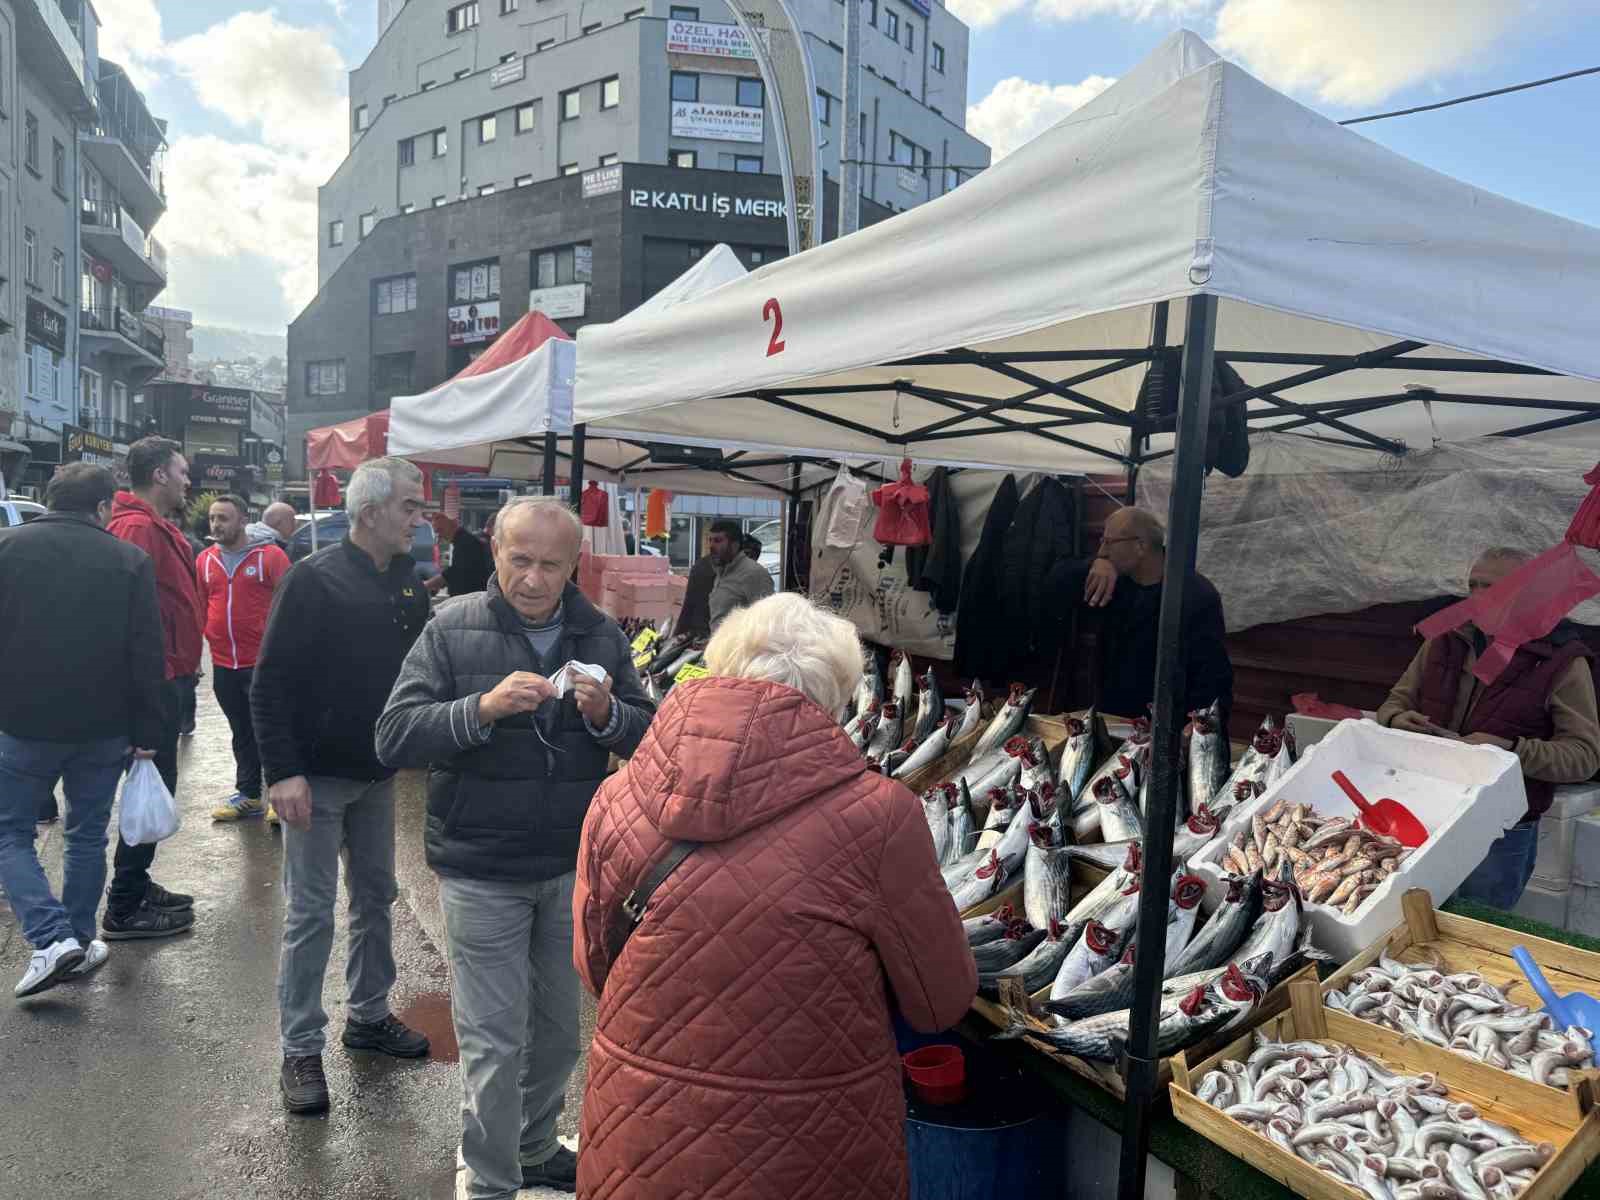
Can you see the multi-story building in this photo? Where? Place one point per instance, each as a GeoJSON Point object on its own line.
{"type": "Point", "coordinates": [177, 333]}
{"type": "Point", "coordinates": [576, 155]}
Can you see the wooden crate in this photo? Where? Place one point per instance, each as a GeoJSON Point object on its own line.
{"type": "Point", "coordinates": [1539, 1113]}
{"type": "Point", "coordinates": [1462, 944]}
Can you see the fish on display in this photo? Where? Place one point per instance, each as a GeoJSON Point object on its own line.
{"type": "Point", "coordinates": [1096, 949]}
{"type": "Point", "coordinates": [963, 829]}
{"type": "Point", "coordinates": [930, 705]}
{"type": "Point", "coordinates": [936, 802]}
{"type": "Point", "coordinates": [1005, 805]}
{"type": "Point", "coordinates": [1006, 852]}
{"type": "Point", "coordinates": [1225, 930]}
{"type": "Point", "coordinates": [886, 736]}
{"type": "Point", "coordinates": [1108, 891]}
{"type": "Point", "coordinates": [1081, 753]}
{"type": "Point", "coordinates": [1181, 803]}
{"type": "Point", "coordinates": [1017, 943]}
{"type": "Point", "coordinates": [1282, 758]}
{"type": "Point", "coordinates": [930, 749]}
{"type": "Point", "coordinates": [1084, 801]}
{"type": "Point", "coordinates": [1046, 877]}
{"type": "Point", "coordinates": [869, 691]}
{"type": "Point", "coordinates": [1119, 815]}
{"type": "Point", "coordinates": [1183, 908]}
{"type": "Point", "coordinates": [1006, 722]}
{"type": "Point", "coordinates": [998, 771]}
{"type": "Point", "coordinates": [1039, 967]}
{"type": "Point", "coordinates": [1253, 763]}
{"type": "Point", "coordinates": [1335, 861]}
{"type": "Point", "coordinates": [1208, 753]}
{"type": "Point", "coordinates": [971, 712]}
{"type": "Point", "coordinates": [1036, 770]}
{"type": "Point", "coordinates": [1278, 927]}
{"type": "Point", "coordinates": [1110, 990]}
{"type": "Point", "coordinates": [990, 925]}
{"type": "Point", "coordinates": [860, 728]}
{"type": "Point", "coordinates": [652, 690]}
{"type": "Point", "coordinates": [979, 883]}
{"type": "Point", "coordinates": [904, 683]}
{"type": "Point", "coordinates": [1119, 918]}
{"type": "Point", "coordinates": [668, 653]}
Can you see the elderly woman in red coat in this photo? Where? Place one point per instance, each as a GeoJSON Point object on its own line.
{"type": "Point", "coordinates": [744, 1045]}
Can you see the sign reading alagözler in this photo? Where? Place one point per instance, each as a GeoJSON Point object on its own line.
{"type": "Point", "coordinates": [711, 203]}
{"type": "Point", "coordinates": [717, 122]}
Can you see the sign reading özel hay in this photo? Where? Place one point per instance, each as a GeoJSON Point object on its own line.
{"type": "Point", "coordinates": [713, 40]}
{"type": "Point", "coordinates": [717, 122]}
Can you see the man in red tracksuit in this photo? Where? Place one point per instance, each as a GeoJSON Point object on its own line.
{"type": "Point", "coordinates": [137, 906]}
{"type": "Point", "coordinates": [235, 578]}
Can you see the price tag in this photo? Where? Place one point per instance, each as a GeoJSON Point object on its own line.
{"type": "Point", "coordinates": [647, 637]}
{"type": "Point", "coordinates": [692, 671]}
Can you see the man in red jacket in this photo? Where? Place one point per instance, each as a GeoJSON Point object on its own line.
{"type": "Point", "coordinates": [235, 578]}
{"type": "Point", "coordinates": [137, 906]}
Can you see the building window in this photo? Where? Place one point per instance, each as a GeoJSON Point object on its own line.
{"type": "Point", "coordinates": [906, 153]}
{"type": "Point", "coordinates": [569, 168]}
{"type": "Point", "coordinates": [911, 35]}
{"type": "Point", "coordinates": [508, 56]}
{"type": "Point", "coordinates": [119, 401]}
{"type": "Point", "coordinates": [407, 209]}
{"type": "Point", "coordinates": [750, 93]}
{"type": "Point", "coordinates": [30, 149]}
{"type": "Point", "coordinates": [609, 160]}
{"type": "Point", "coordinates": [524, 118]}
{"type": "Point", "coordinates": [486, 189]}
{"type": "Point", "coordinates": [757, 257]}
{"type": "Point", "coordinates": [508, 6]}
{"type": "Point", "coordinates": [571, 104]}
{"type": "Point", "coordinates": [523, 181]}
{"type": "Point", "coordinates": [872, 12]}
{"type": "Point", "coordinates": [610, 92]}
{"type": "Point", "coordinates": [462, 73]}
{"type": "Point", "coordinates": [938, 58]}
{"type": "Point", "coordinates": [367, 221]}
{"type": "Point", "coordinates": [325, 378]}
{"type": "Point", "coordinates": [89, 394]}
{"type": "Point", "coordinates": [486, 128]}
{"type": "Point", "coordinates": [397, 294]}
{"type": "Point", "coordinates": [681, 13]}
{"type": "Point", "coordinates": [462, 17]}
{"type": "Point", "coordinates": [891, 24]}
{"type": "Point", "coordinates": [441, 143]}
{"type": "Point", "coordinates": [595, 28]}
{"type": "Point", "coordinates": [440, 201]}
{"type": "Point", "coordinates": [558, 266]}
{"type": "Point", "coordinates": [475, 281]}
{"type": "Point", "coordinates": [44, 372]}
{"type": "Point", "coordinates": [747, 164]}
{"type": "Point", "coordinates": [391, 374]}
{"type": "Point", "coordinates": [362, 119]}
{"type": "Point", "coordinates": [58, 166]}
{"type": "Point", "coordinates": [30, 257]}
{"type": "Point", "coordinates": [685, 86]}
{"type": "Point", "coordinates": [824, 107]}
{"type": "Point", "coordinates": [58, 275]}
{"type": "Point", "coordinates": [952, 179]}
{"type": "Point", "coordinates": [335, 233]}
{"type": "Point", "coordinates": [545, 44]}
{"type": "Point", "coordinates": [408, 152]}
{"type": "Point", "coordinates": [684, 158]}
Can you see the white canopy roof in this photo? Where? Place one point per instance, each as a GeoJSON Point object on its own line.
{"type": "Point", "coordinates": [1030, 295]}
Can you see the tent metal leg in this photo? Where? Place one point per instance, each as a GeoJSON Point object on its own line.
{"type": "Point", "coordinates": [576, 486]}
{"type": "Point", "coordinates": [549, 464]}
{"type": "Point", "coordinates": [1183, 528]}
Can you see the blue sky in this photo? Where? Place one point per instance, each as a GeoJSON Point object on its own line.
{"type": "Point", "coordinates": [253, 93]}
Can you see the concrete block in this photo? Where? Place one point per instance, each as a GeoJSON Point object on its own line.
{"type": "Point", "coordinates": [1573, 800]}
{"type": "Point", "coordinates": [1553, 869]}
{"type": "Point", "coordinates": [1583, 909]}
{"type": "Point", "coordinates": [1540, 903]}
{"type": "Point", "coordinates": [1586, 850]}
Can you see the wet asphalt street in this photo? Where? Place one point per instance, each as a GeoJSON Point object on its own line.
{"type": "Point", "coordinates": [156, 1078]}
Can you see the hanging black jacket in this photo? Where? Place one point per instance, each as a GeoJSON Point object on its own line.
{"type": "Point", "coordinates": [1041, 535]}
{"type": "Point", "coordinates": [982, 639]}
{"type": "Point", "coordinates": [936, 568]}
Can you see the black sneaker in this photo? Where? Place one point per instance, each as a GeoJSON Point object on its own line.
{"type": "Point", "coordinates": [145, 922]}
{"type": "Point", "coordinates": [159, 898]}
{"type": "Point", "coordinates": [304, 1086]}
{"type": "Point", "coordinates": [559, 1171]}
{"type": "Point", "coordinates": [388, 1036]}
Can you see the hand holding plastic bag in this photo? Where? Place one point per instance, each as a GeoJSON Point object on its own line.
{"type": "Point", "coordinates": [149, 814]}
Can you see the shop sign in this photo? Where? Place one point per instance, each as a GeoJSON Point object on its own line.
{"type": "Point", "coordinates": [712, 40]}
{"type": "Point", "coordinates": [717, 122]}
{"type": "Point", "coordinates": [219, 406]}
{"type": "Point", "coordinates": [602, 181]}
{"type": "Point", "coordinates": [83, 445]}
{"type": "Point", "coordinates": [266, 420]}
{"type": "Point", "coordinates": [275, 472]}
{"type": "Point", "coordinates": [583, 263]}
{"type": "Point", "coordinates": [909, 180]}
{"type": "Point", "coordinates": [559, 302]}
{"type": "Point", "coordinates": [218, 476]}
{"type": "Point", "coordinates": [508, 72]}
{"type": "Point", "coordinates": [470, 324]}
{"type": "Point", "coordinates": [46, 326]}
{"type": "Point", "coordinates": [710, 203]}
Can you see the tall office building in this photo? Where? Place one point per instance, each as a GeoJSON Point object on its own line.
{"type": "Point", "coordinates": [575, 157]}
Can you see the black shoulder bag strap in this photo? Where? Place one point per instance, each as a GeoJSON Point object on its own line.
{"type": "Point", "coordinates": [633, 905]}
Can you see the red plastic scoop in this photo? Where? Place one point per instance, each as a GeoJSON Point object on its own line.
{"type": "Point", "coordinates": [1387, 817]}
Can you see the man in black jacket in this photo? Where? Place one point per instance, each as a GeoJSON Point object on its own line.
{"type": "Point", "coordinates": [342, 622]}
{"type": "Point", "coordinates": [514, 762]}
{"type": "Point", "coordinates": [1124, 579]}
{"type": "Point", "coordinates": [80, 634]}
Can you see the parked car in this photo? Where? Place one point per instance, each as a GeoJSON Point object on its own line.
{"type": "Point", "coordinates": [770, 535]}
{"type": "Point", "coordinates": [333, 526]}
{"type": "Point", "coordinates": [19, 512]}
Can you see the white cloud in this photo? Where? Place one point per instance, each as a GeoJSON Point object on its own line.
{"type": "Point", "coordinates": [130, 36]}
{"type": "Point", "coordinates": [1359, 52]}
{"type": "Point", "coordinates": [1018, 110]}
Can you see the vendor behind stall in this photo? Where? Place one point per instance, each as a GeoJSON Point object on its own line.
{"type": "Point", "coordinates": [1124, 579]}
{"type": "Point", "coordinates": [1541, 707]}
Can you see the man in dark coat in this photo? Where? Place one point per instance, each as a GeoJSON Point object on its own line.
{"type": "Point", "coordinates": [470, 563]}
{"type": "Point", "coordinates": [513, 764]}
{"type": "Point", "coordinates": [981, 633]}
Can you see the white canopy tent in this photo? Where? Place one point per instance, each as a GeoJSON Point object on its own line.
{"type": "Point", "coordinates": [1010, 322]}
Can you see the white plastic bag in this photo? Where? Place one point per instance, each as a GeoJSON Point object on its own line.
{"type": "Point", "coordinates": [849, 508]}
{"type": "Point", "coordinates": [149, 813]}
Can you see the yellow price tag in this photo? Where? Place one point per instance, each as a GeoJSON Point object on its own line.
{"type": "Point", "coordinates": [647, 637]}
{"type": "Point", "coordinates": [692, 671]}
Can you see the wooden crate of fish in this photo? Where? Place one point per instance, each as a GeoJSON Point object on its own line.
{"type": "Point", "coordinates": [1335, 1108]}
{"type": "Point", "coordinates": [1445, 979]}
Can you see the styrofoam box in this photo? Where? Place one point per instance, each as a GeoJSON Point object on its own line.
{"type": "Point", "coordinates": [1465, 795]}
{"type": "Point", "coordinates": [1307, 730]}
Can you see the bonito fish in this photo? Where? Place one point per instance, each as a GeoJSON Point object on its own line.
{"type": "Point", "coordinates": [936, 804]}
{"type": "Point", "coordinates": [1006, 722]}
{"type": "Point", "coordinates": [1208, 754]}
{"type": "Point", "coordinates": [930, 706]}
{"type": "Point", "coordinates": [1080, 755]}
{"type": "Point", "coordinates": [860, 728]}
{"type": "Point", "coordinates": [1036, 770]}
{"type": "Point", "coordinates": [997, 771]}
{"type": "Point", "coordinates": [963, 828]}
{"type": "Point", "coordinates": [971, 712]}
{"type": "Point", "coordinates": [1040, 966]}
{"type": "Point", "coordinates": [1096, 949]}
{"type": "Point", "coordinates": [995, 956]}
{"type": "Point", "coordinates": [904, 688]}
{"type": "Point", "coordinates": [869, 691]}
{"type": "Point", "coordinates": [1225, 930]}
{"type": "Point", "coordinates": [990, 925]}
{"type": "Point", "coordinates": [1046, 877]}
{"type": "Point", "coordinates": [930, 749]}
{"type": "Point", "coordinates": [1278, 927]}
{"type": "Point", "coordinates": [886, 737]}
{"type": "Point", "coordinates": [1119, 815]}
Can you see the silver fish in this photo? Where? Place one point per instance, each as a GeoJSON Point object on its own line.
{"type": "Point", "coordinates": [936, 804]}
{"type": "Point", "coordinates": [995, 956]}
{"type": "Point", "coordinates": [1000, 771]}
{"type": "Point", "coordinates": [1279, 925]}
{"type": "Point", "coordinates": [1083, 800]}
{"type": "Point", "coordinates": [1108, 890]}
{"type": "Point", "coordinates": [1208, 753]}
{"type": "Point", "coordinates": [971, 712]}
{"type": "Point", "coordinates": [1036, 769]}
{"type": "Point", "coordinates": [1046, 878]}
{"type": "Point", "coordinates": [904, 689]}
{"type": "Point", "coordinates": [1224, 931]}
{"type": "Point", "coordinates": [930, 705]}
{"type": "Point", "coordinates": [930, 749]}
{"type": "Point", "coordinates": [1182, 910]}
{"type": "Point", "coordinates": [1108, 991]}
{"type": "Point", "coordinates": [1253, 763]}
{"type": "Point", "coordinates": [963, 829]}
{"type": "Point", "coordinates": [990, 925]}
{"type": "Point", "coordinates": [979, 884]}
{"type": "Point", "coordinates": [1041, 964]}
{"type": "Point", "coordinates": [1006, 722]}
{"type": "Point", "coordinates": [860, 728]}
{"type": "Point", "coordinates": [886, 736]}
{"type": "Point", "coordinates": [1119, 816]}
{"type": "Point", "coordinates": [1096, 949]}
{"type": "Point", "coordinates": [869, 690]}
{"type": "Point", "coordinates": [1080, 754]}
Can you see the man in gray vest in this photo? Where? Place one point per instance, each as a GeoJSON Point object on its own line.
{"type": "Point", "coordinates": [516, 741]}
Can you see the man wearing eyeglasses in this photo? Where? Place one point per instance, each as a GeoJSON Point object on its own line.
{"type": "Point", "coordinates": [1124, 580]}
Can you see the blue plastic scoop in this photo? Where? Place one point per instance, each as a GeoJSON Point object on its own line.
{"type": "Point", "coordinates": [1575, 1008]}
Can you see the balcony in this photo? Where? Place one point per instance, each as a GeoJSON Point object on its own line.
{"type": "Point", "coordinates": [121, 334]}
{"type": "Point", "coordinates": [109, 427]}
{"type": "Point", "coordinates": [47, 42]}
{"type": "Point", "coordinates": [110, 233]}
{"type": "Point", "coordinates": [143, 192]}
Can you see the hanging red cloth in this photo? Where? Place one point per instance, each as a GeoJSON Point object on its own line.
{"type": "Point", "coordinates": [325, 490]}
{"type": "Point", "coordinates": [1585, 527]}
{"type": "Point", "coordinates": [902, 511]}
{"type": "Point", "coordinates": [595, 506]}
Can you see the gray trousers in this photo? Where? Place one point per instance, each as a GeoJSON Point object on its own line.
{"type": "Point", "coordinates": [514, 997]}
{"type": "Point", "coordinates": [351, 819]}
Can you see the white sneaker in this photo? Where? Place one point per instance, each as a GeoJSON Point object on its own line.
{"type": "Point", "coordinates": [48, 966]}
{"type": "Point", "coordinates": [93, 959]}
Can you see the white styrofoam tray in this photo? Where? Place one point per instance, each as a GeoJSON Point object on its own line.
{"type": "Point", "coordinates": [1465, 795]}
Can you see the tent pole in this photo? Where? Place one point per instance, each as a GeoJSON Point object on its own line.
{"type": "Point", "coordinates": [575, 487]}
{"type": "Point", "coordinates": [791, 514]}
{"type": "Point", "coordinates": [550, 464]}
{"type": "Point", "coordinates": [1183, 529]}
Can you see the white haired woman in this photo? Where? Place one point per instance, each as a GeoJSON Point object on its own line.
{"type": "Point", "coordinates": [744, 1045]}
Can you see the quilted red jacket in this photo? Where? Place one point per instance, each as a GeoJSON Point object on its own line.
{"type": "Point", "coordinates": [743, 1046]}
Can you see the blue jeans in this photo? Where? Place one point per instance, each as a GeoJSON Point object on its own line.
{"type": "Point", "coordinates": [28, 774]}
{"type": "Point", "coordinates": [1500, 878]}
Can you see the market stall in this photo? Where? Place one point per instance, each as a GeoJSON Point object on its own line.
{"type": "Point", "coordinates": [1187, 257]}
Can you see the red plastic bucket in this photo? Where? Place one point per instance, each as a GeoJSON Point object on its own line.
{"type": "Point", "coordinates": [938, 1074]}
